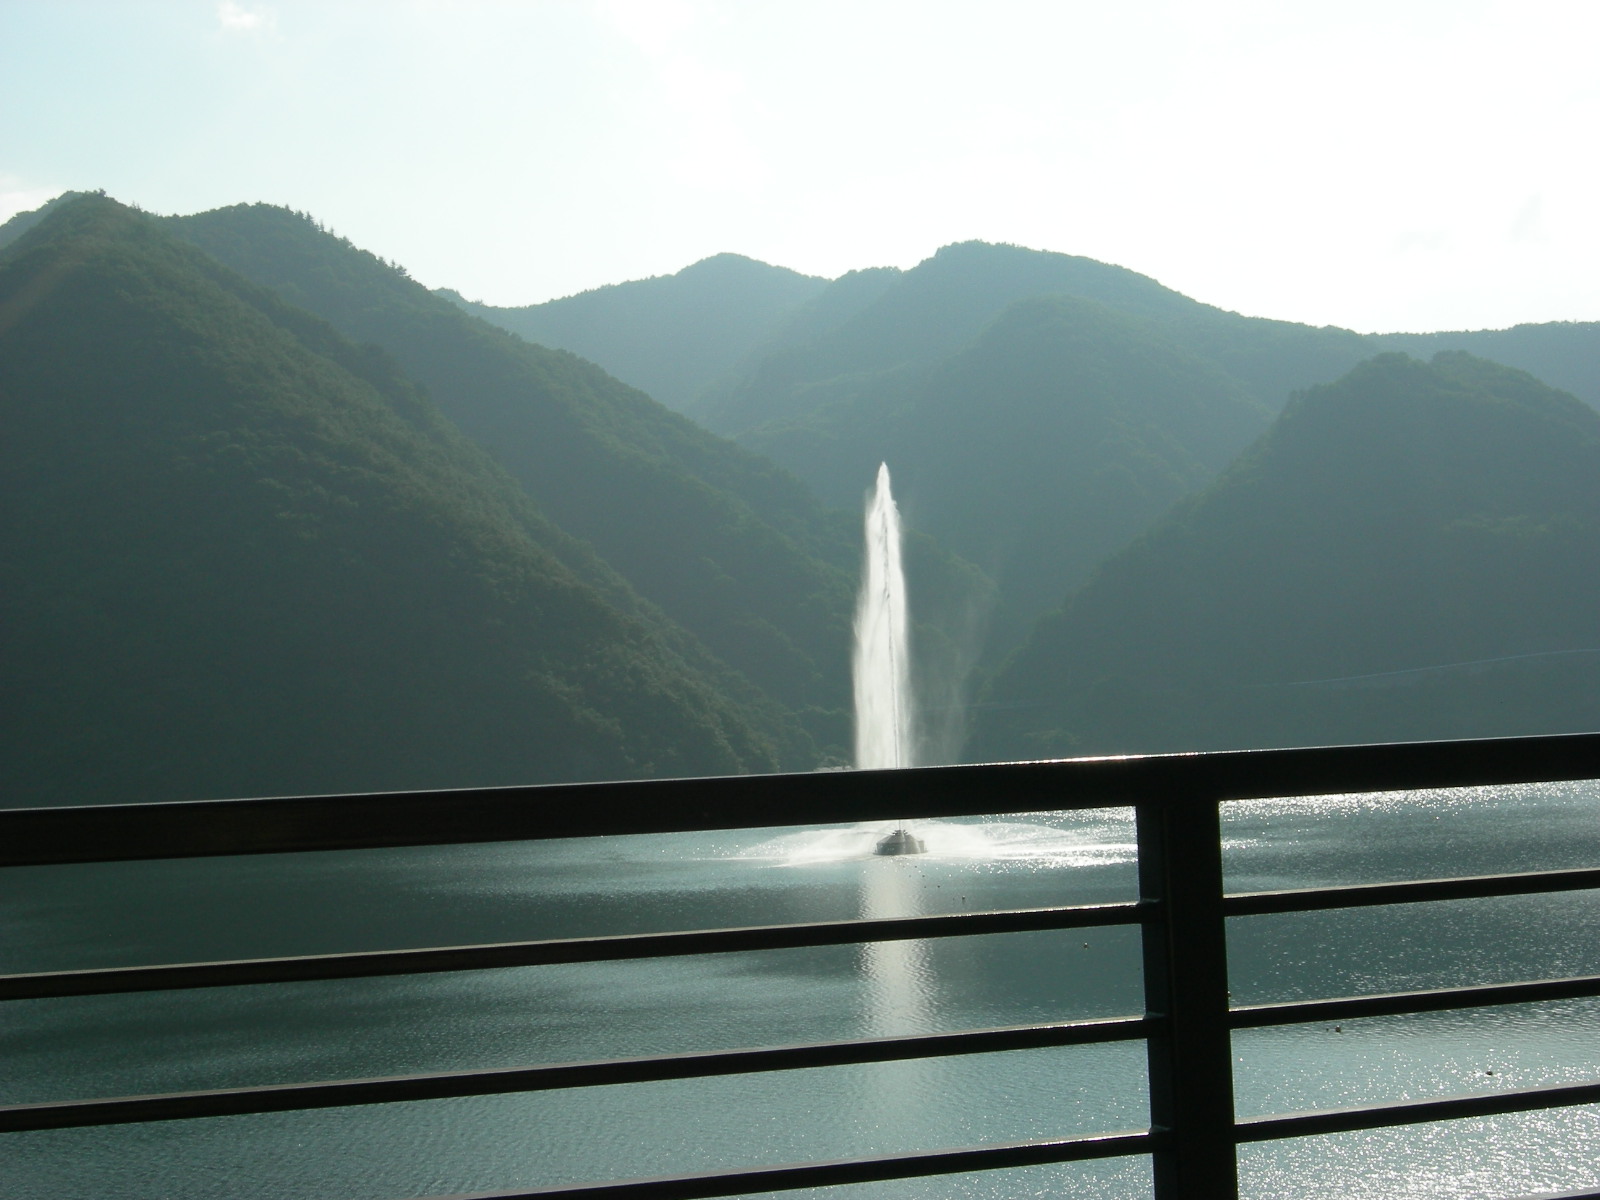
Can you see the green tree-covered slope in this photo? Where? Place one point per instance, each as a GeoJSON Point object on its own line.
{"type": "Point", "coordinates": [24, 221]}
{"type": "Point", "coordinates": [672, 336]}
{"type": "Point", "coordinates": [242, 556]}
{"type": "Point", "coordinates": [1410, 552]}
{"type": "Point", "coordinates": [731, 547]}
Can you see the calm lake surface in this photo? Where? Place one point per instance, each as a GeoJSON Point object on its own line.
{"type": "Point", "coordinates": [100, 915]}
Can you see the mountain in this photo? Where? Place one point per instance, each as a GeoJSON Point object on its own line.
{"type": "Point", "coordinates": [672, 336]}
{"type": "Point", "coordinates": [1057, 435]}
{"type": "Point", "coordinates": [1410, 552]}
{"type": "Point", "coordinates": [244, 556]}
{"type": "Point", "coordinates": [729, 546]}
{"type": "Point", "coordinates": [879, 320]}
{"type": "Point", "coordinates": [863, 370]}
{"type": "Point", "coordinates": [839, 302]}
{"type": "Point", "coordinates": [1042, 409]}
{"type": "Point", "coordinates": [739, 344]}
{"type": "Point", "coordinates": [1016, 450]}
{"type": "Point", "coordinates": [921, 316]}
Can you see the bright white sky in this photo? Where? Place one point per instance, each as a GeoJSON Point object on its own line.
{"type": "Point", "coordinates": [1378, 164]}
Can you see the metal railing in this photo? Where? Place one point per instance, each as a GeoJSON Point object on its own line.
{"type": "Point", "coordinates": [1182, 910]}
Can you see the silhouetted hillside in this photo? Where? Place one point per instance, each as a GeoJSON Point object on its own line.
{"type": "Point", "coordinates": [244, 556]}
{"type": "Point", "coordinates": [1411, 552]}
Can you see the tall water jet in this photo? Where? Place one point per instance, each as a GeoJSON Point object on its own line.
{"type": "Point", "coordinates": [882, 665]}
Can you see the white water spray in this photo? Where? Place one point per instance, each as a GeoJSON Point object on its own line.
{"type": "Point", "coordinates": [882, 665]}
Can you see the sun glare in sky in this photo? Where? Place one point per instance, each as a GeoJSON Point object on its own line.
{"type": "Point", "coordinates": [1398, 165]}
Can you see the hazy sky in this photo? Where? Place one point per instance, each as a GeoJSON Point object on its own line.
{"type": "Point", "coordinates": [1386, 165]}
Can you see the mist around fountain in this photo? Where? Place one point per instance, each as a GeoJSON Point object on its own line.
{"type": "Point", "coordinates": [1043, 841]}
{"type": "Point", "coordinates": [882, 662]}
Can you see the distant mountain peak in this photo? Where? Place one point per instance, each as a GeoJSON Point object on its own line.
{"type": "Point", "coordinates": [19, 224]}
{"type": "Point", "coordinates": [729, 261]}
{"type": "Point", "coordinates": [671, 336]}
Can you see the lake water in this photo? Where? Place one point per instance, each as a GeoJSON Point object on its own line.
{"type": "Point", "coordinates": [99, 915]}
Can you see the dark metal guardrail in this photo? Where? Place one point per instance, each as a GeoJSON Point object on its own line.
{"type": "Point", "coordinates": [1182, 911]}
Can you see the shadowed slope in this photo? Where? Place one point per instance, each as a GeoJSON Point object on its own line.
{"type": "Point", "coordinates": [1411, 552]}
{"type": "Point", "coordinates": [730, 547]}
{"type": "Point", "coordinates": [243, 556]}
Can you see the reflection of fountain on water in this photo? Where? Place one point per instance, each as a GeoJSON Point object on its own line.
{"type": "Point", "coordinates": [898, 983]}
{"type": "Point", "coordinates": [898, 997]}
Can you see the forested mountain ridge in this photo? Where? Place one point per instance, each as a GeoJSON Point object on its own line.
{"type": "Point", "coordinates": [19, 224]}
{"type": "Point", "coordinates": [1563, 354]}
{"type": "Point", "coordinates": [882, 319]}
{"type": "Point", "coordinates": [672, 335]}
{"type": "Point", "coordinates": [1410, 552]}
{"type": "Point", "coordinates": [245, 556]}
{"type": "Point", "coordinates": [729, 546]}
{"type": "Point", "coordinates": [919, 317]}
{"type": "Point", "coordinates": [922, 315]}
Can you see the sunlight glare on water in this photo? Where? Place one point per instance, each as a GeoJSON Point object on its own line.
{"type": "Point", "coordinates": [58, 918]}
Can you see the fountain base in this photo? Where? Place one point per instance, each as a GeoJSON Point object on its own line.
{"type": "Point", "coordinates": [901, 841]}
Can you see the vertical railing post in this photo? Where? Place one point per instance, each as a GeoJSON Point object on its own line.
{"type": "Point", "coordinates": [1186, 994]}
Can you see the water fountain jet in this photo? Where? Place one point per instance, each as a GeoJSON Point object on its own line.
{"type": "Point", "coordinates": [881, 666]}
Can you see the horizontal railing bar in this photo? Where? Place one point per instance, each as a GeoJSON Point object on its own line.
{"type": "Point", "coordinates": [1393, 1004]}
{"type": "Point", "coordinates": [1467, 887]}
{"type": "Point", "coordinates": [362, 964]}
{"type": "Point", "coordinates": [343, 1093]}
{"type": "Point", "coordinates": [181, 829]}
{"type": "Point", "coordinates": [877, 1169]}
{"type": "Point", "coordinates": [1414, 1112]}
